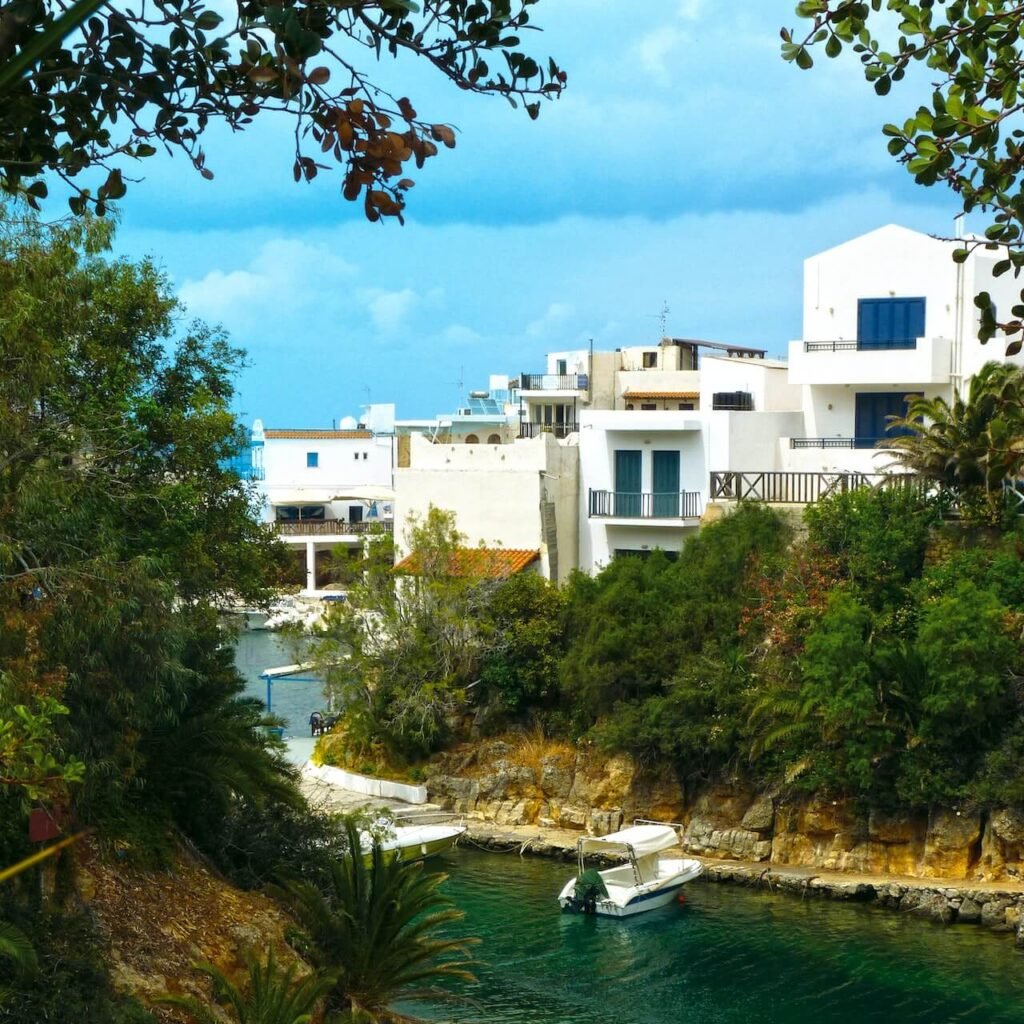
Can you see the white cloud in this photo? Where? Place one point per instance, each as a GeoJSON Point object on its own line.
{"type": "Point", "coordinates": [654, 49]}
{"type": "Point", "coordinates": [389, 310]}
{"type": "Point", "coordinates": [460, 334]}
{"type": "Point", "coordinates": [691, 10]}
{"type": "Point", "coordinates": [554, 316]}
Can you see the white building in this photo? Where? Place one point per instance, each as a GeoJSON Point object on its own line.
{"type": "Point", "coordinates": [328, 488]}
{"type": "Point", "coordinates": [886, 315]}
{"type": "Point", "coordinates": [519, 495]}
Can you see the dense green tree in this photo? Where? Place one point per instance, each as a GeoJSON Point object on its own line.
{"type": "Point", "coordinates": [875, 539]}
{"type": "Point", "coordinates": [119, 528]}
{"type": "Point", "coordinates": [524, 648]}
{"type": "Point", "coordinates": [92, 86]}
{"type": "Point", "coordinates": [381, 927]}
{"type": "Point", "coordinates": [966, 128]}
{"type": "Point", "coordinates": [401, 652]}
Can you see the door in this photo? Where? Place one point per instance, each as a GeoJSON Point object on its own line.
{"type": "Point", "coordinates": [889, 323]}
{"type": "Point", "coordinates": [666, 483]}
{"type": "Point", "coordinates": [871, 413]}
{"type": "Point", "coordinates": [355, 514]}
{"type": "Point", "coordinates": [627, 483]}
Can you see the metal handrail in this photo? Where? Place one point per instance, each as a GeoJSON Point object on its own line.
{"type": "Point", "coordinates": [645, 504]}
{"type": "Point", "coordinates": [859, 346]}
{"type": "Point", "coordinates": [324, 527]}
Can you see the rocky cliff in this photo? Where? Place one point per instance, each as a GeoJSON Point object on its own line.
{"type": "Point", "coordinates": [516, 783]}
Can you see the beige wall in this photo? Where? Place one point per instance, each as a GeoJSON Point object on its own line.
{"type": "Point", "coordinates": [496, 493]}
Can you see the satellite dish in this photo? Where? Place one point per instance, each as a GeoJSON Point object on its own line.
{"type": "Point", "coordinates": [349, 423]}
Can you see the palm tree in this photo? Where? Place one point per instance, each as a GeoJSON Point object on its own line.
{"type": "Point", "coordinates": [16, 948]}
{"type": "Point", "coordinates": [272, 996]}
{"type": "Point", "coordinates": [973, 444]}
{"type": "Point", "coordinates": [377, 928]}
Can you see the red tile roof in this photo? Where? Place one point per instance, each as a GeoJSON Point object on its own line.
{"type": "Point", "coordinates": [316, 435]}
{"type": "Point", "coordinates": [488, 563]}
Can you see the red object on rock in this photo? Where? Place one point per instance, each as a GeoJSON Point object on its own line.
{"type": "Point", "coordinates": [44, 823]}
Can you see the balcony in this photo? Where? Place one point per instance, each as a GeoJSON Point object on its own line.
{"type": "Point", "coordinates": [803, 488]}
{"type": "Point", "coordinates": [332, 528]}
{"type": "Point", "coordinates": [859, 346]}
{"type": "Point", "coordinates": [919, 361]}
{"type": "Point", "coordinates": [628, 505]}
{"type": "Point", "coordinates": [559, 430]}
{"type": "Point", "coordinates": [837, 442]}
{"type": "Point", "coordinates": [553, 382]}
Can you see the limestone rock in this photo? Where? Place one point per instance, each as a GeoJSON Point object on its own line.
{"type": "Point", "coordinates": [556, 777]}
{"type": "Point", "coordinates": [893, 828]}
{"type": "Point", "coordinates": [948, 846]}
{"type": "Point", "coordinates": [1008, 825]}
{"type": "Point", "coordinates": [760, 816]}
{"type": "Point", "coordinates": [969, 913]}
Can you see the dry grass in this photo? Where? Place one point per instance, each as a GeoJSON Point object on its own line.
{"type": "Point", "coordinates": [532, 747]}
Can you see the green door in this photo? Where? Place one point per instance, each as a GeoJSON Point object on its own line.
{"type": "Point", "coordinates": [627, 483]}
{"type": "Point", "coordinates": [666, 483]}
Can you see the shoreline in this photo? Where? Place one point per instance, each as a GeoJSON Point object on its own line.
{"type": "Point", "coordinates": [997, 906]}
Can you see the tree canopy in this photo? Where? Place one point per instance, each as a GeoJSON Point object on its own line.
{"type": "Point", "coordinates": [92, 86]}
{"type": "Point", "coordinates": [967, 132]}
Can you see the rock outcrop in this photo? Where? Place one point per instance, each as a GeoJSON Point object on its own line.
{"type": "Point", "coordinates": [580, 788]}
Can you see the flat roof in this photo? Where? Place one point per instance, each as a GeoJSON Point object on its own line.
{"type": "Point", "coordinates": [690, 395]}
{"type": "Point", "coordinates": [722, 346]}
{"type": "Point", "coordinates": [316, 435]}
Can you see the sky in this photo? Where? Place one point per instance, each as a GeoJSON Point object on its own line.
{"type": "Point", "coordinates": [686, 167]}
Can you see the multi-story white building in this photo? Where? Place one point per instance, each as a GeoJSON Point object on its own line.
{"type": "Point", "coordinates": [886, 315]}
{"type": "Point", "coordinates": [327, 488]}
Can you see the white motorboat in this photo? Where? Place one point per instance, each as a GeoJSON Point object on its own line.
{"type": "Point", "coordinates": [415, 842]}
{"type": "Point", "coordinates": [651, 874]}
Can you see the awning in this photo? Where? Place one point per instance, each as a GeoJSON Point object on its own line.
{"type": "Point", "coordinates": [365, 492]}
{"type": "Point", "coordinates": [683, 396]}
{"type": "Point", "coordinates": [302, 496]}
{"type": "Point", "coordinates": [643, 839]}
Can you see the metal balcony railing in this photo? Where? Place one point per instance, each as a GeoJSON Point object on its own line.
{"type": "Point", "coordinates": [859, 346]}
{"type": "Point", "coordinates": [560, 430]}
{"type": "Point", "coordinates": [645, 505]}
{"type": "Point", "coordinates": [838, 442]}
{"type": "Point", "coordinates": [331, 527]}
{"type": "Point", "coordinates": [553, 382]}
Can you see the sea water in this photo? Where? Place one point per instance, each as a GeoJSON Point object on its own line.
{"type": "Point", "coordinates": [728, 954]}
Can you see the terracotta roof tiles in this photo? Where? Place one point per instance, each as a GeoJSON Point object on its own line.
{"type": "Point", "coordinates": [488, 563]}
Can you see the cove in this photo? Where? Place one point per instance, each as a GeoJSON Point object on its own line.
{"type": "Point", "coordinates": [728, 955]}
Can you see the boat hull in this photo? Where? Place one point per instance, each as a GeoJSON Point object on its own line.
{"type": "Point", "coordinates": [631, 902]}
{"type": "Point", "coordinates": [419, 842]}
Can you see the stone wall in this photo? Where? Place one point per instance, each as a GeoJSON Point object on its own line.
{"type": "Point", "coordinates": [586, 790]}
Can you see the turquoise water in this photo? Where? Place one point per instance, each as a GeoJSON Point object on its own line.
{"type": "Point", "coordinates": [728, 955]}
{"type": "Point", "coordinates": [260, 649]}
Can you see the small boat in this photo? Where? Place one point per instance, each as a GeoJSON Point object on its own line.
{"type": "Point", "coordinates": [415, 842]}
{"type": "Point", "coordinates": [651, 874]}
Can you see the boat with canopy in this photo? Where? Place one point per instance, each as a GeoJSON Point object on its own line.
{"type": "Point", "coordinates": [651, 873]}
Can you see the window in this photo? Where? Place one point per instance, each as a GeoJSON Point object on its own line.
{"type": "Point", "coordinates": [686, 405]}
{"type": "Point", "coordinates": [672, 556]}
{"type": "Point", "coordinates": [560, 367]}
{"type": "Point", "coordinates": [494, 439]}
{"type": "Point", "coordinates": [312, 460]}
{"type": "Point", "coordinates": [366, 455]}
{"type": "Point", "coordinates": [472, 439]}
{"type": "Point", "coordinates": [871, 416]}
{"type": "Point", "coordinates": [650, 360]}
{"type": "Point", "coordinates": [629, 405]}
{"type": "Point", "coordinates": [648, 406]}
{"type": "Point", "coordinates": [889, 323]}
{"type": "Point", "coordinates": [355, 455]}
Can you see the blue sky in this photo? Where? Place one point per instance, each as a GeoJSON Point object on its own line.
{"type": "Point", "coordinates": [686, 165]}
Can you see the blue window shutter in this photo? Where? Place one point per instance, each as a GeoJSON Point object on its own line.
{"type": "Point", "coordinates": [627, 482]}
{"type": "Point", "coordinates": [889, 323]}
{"type": "Point", "coordinates": [312, 460]}
{"type": "Point", "coordinates": [872, 410]}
